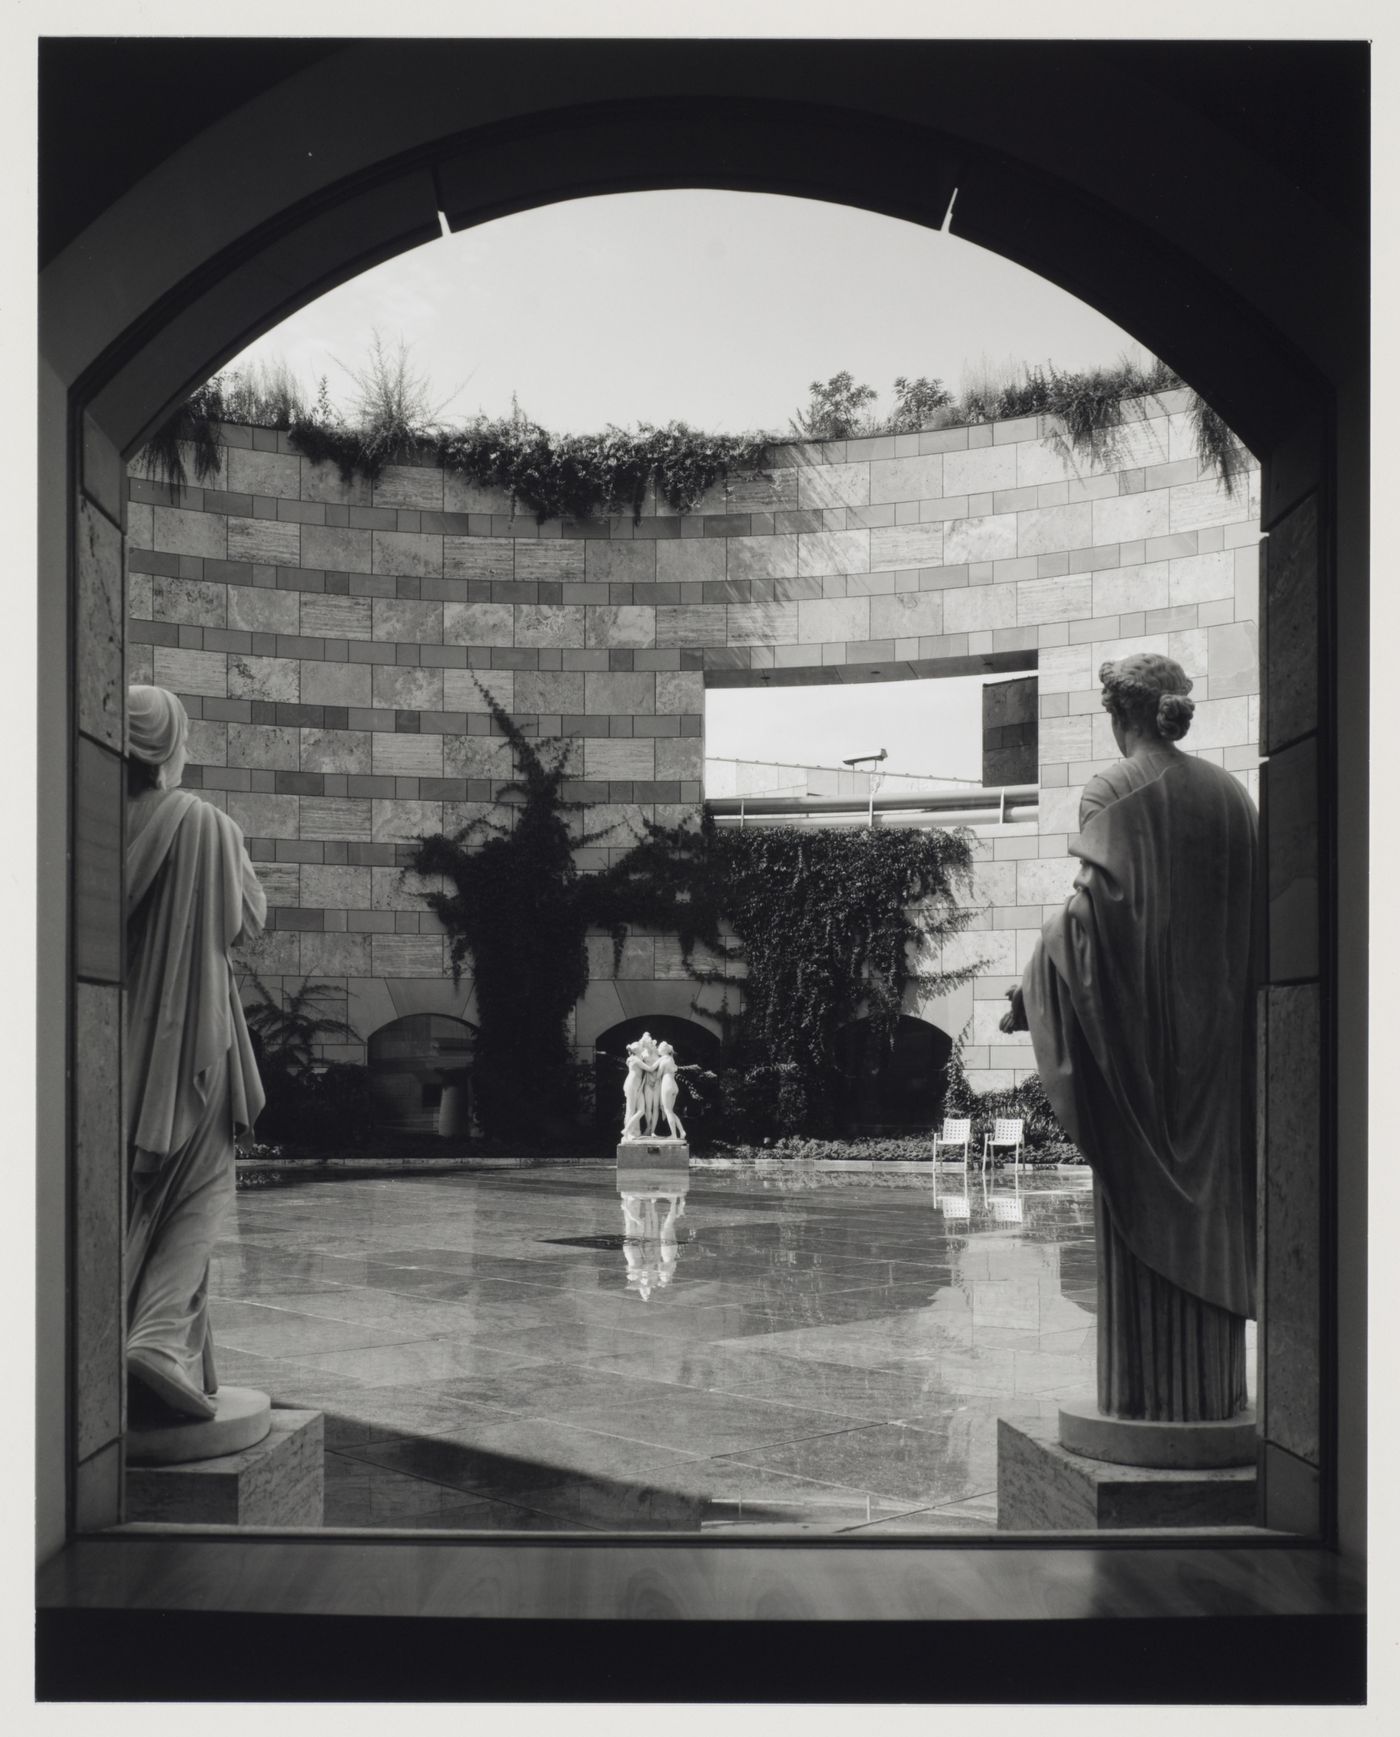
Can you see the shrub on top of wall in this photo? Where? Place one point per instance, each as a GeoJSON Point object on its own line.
{"type": "Point", "coordinates": [581, 476]}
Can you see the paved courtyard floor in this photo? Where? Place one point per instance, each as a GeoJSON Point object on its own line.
{"type": "Point", "coordinates": [808, 1350]}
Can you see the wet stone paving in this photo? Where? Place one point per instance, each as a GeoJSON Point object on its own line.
{"type": "Point", "coordinates": [780, 1349]}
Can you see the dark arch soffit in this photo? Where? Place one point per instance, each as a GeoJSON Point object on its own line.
{"type": "Point", "coordinates": [846, 156]}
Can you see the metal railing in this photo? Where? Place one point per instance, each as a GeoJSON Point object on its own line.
{"type": "Point", "coordinates": [1010, 805]}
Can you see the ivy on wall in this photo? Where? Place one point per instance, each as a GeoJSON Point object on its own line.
{"type": "Point", "coordinates": [581, 476]}
{"type": "Point", "coordinates": [829, 925]}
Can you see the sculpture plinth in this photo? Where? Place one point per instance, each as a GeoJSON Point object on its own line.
{"type": "Point", "coordinates": [279, 1481]}
{"type": "Point", "coordinates": [1131, 1441]}
{"type": "Point", "coordinates": [242, 1418]}
{"type": "Point", "coordinates": [645, 1155]}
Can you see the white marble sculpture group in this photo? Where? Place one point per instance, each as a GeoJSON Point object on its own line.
{"type": "Point", "coordinates": [650, 1090]}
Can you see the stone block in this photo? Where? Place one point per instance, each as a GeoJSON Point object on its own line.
{"type": "Point", "coordinates": [1065, 739]}
{"type": "Point", "coordinates": [336, 549]}
{"type": "Point", "coordinates": [1189, 648]}
{"type": "Point", "coordinates": [832, 620]}
{"type": "Point", "coordinates": [98, 1185]}
{"type": "Point", "coordinates": [264, 678]}
{"type": "Point", "coordinates": [1219, 724]}
{"type": "Point", "coordinates": [835, 485]}
{"type": "Point", "coordinates": [477, 757]}
{"type": "Point", "coordinates": [746, 558]}
{"type": "Point", "coordinates": [323, 482]}
{"type": "Point", "coordinates": [332, 954]}
{"type": "Point", "coordinates": [266, 542]}
{"type": "Point", "coordinates": [403, 818]}
{"type": "Point", "coordinates": [1047, 530]}
{"type": "Point", "coordinates": [1042, 1487]}
{"type": "Point", "coordinates": [553, 561]}
{"type": "Point", "coordinates": [493, 558]}
{"type": "Point", "coordinates": [703, 560]}
{"type": "Point", "coordinates": [177, 532]}
{"type": "Point", "coordinates": [980, 470]}
{"type": "Point", "coordinates": [1201, 578]}
{"type": "Point", "coordinates": [334, 887]}
{"type": "Point", "coordinates": [278, 1483]}
{"type": "Point", "coordinates": [1206, 502]}
{"type": "Point", "coordinates": [978, 608]}
{"type": "Point", "coordinates": [325, 615]}
{"type": "Point", "coordinates": [841, 551]}
{"type": "Point", "coordinates": [274, 474]}
{"type": "Point", "coordinates": [99, 629]}
{"type": "Point", "coordinates": [1233, 656]}
{"type": "Point", "coordinates": [547, 625]}
{"type": "Point", "coordinates": [677, 692]}
{"type": "Point", "coordinates": [621, 758]}
{"type": "Point", "coordinates": [265, 609]}
{"type": "Point", "coordinates": [410, 486]}
{"type": "Point", "coordinates": [406, 754]}
{"type": "Point", "coordinates": [618, 626]}
{"type": "Point", "coordinates": [679, 757]}
{"type": "Point", "coordinates": [336, 684]}
{"type": "Point", "coordinates": [906, 614]}
{"type": "Point", "coordinates": [191, 672]}
{"type": "Point", "coordinates": [617, 692]}
{"type": "Point", "coordinates": [1123, 590]}
{"type": "Point", "coordinates": [406, 553]}
{"type": "Point", "coordinates": [623, 563]}
{"type": "Point", "coordinates": [397, 621]}
{"type": "Point", "coordinates": [1065, 669]}
{"type": "Point", "coordinates": [904, 479]}
{"type": "Point", "coordinates": [407, 955]}
{"type": "Point", "coordinates": [462, 690]}
{"type": "Point", "coordinates": [269, 747]}
{"type": "Point", "coordinates": [1046, 881]}
{"type": "Point", "coordinates": [1291, 829]}
{"type": "Point", "coordinates": [407, 688]}
{"type": "Point", "coordinates": [988, 537]}
{"type": "Point", "coordinates": [1130, 518]}
{"type": "Point", "coordinates": [1042, 600]}
{"type": "Point", "coordinates": [692, 626]}
{"type": "Point", "coordinates": [333, 817]}
{"type": "Point", "coordinates": [264, 816]}
{"type": "Point", "coordinates": [896, 548]}
{"type": "Point", "coordinates": [461, 495]}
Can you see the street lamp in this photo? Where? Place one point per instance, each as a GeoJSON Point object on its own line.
{"type": "Point", "coordinates": [864, 759]}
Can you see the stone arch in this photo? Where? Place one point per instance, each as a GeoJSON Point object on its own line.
{"type": "Point", "coordinates": [1263, 310]}
{"type": "Point", "coordinates": [693, 1044]}
{"type": "Point", "coordinates": [898, 1089]}
{"type": "Point", "coordinates": [413, 1061]}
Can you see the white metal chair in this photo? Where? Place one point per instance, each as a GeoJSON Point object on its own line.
{"type": "Point", "coordinates": [1006, 1132]}
{"type": "Point", "coordinates": [955, 1133]}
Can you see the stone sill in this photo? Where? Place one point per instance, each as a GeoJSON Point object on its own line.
{"type": "Point", "coordinates": [385, 1575]}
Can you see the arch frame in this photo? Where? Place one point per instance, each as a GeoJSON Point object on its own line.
{"type": "Point", "coordinates": [1250, 317]}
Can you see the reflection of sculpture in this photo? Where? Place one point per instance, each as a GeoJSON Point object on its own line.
{"type": "Point", "coordinates": [1139, 1003]}
{"type": "Point", "coordinates": [650, 1090]}
{"type": "Point", "coordinates": [192, 1083]}
{"type": "Point", "coordinates": [650, 1251]}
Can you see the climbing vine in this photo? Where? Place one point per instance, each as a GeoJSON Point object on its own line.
{"type": "Point", "coordinates": [829, 925]}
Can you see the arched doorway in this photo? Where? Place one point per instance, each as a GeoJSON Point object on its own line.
{"type": "Point", "coordinates": [415, 1064]}
{"type": "Point", "coordinates": [1265, 316]}
{"type": "Point", "coordinates": [693, 1044]}
{"type": "Point", "coordinates": [893, 1087]}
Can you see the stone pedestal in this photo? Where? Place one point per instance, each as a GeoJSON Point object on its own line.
{"type": "Point", "coordinates": [1043, 1486]}
{"type": "Point", "coordinates": [278, 1482]}
{"type": "Point", "coordinates": [653, 1155]}
{"type": "Point", "coordinates": [242, 1417]}
{"type": "Point", "coordinates": [1128, 1441]}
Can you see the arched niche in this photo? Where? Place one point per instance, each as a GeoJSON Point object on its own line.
{"type": "Point", "coordinates": [892, 1086]}
{"type": "Point", "coordinates": [412, 1062]}
{"type": "Point", "coordinates": [693, 1043]}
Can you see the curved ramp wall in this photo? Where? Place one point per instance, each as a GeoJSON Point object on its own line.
{"type": "Point", "coordinates": [328, 638]}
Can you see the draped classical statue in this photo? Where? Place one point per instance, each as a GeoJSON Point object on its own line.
{"type": "Point", "coordinates": [1140, 1003]}
{"type": "Point", "coordinates": [191, 1081]}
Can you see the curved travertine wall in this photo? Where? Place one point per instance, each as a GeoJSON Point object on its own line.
{"type": "Point", "coordinates": [328, 640]}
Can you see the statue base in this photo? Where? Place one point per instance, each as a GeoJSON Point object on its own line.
{"type": "Point", "coordinates": [1128, 1441]}
{"type": "Point", "coordinates": [242, 1418]}
{"type": "Point", "coordinates": [279, 1481]}
{"type": "Point", "coordinates": [655, 1154]}
{"type": "Point", "coordinates": [1042, 1486]}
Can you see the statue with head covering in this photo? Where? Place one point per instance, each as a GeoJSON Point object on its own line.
{"type": "Point", "coordinates": [1140, 1003]}
{"type": "Point", "coordinates": [191, 1081]}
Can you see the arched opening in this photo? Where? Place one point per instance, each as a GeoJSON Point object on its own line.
{"type": "Point", "coordinates": [893, 1087]}
{"type": "Point", "coordinates": [693, 1044]}
{"type": "Point", "coordinates": [1266, 327]}
{"type": "Point", "coordinates": [420, 1072]}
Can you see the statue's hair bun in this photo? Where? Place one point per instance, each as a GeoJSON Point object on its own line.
{"type": "Point", "coordinates": [1174, 713]}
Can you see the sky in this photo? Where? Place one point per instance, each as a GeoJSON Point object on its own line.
{"type": "Point", "coordinates": [719, 309]}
